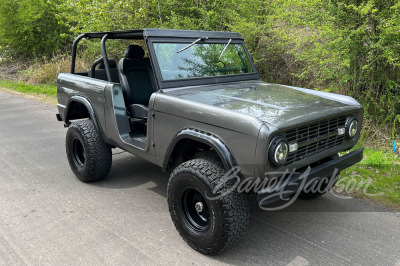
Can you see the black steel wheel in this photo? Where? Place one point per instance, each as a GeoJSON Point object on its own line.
{"type": "Point", "coordinates": [89, 157]}
{"type": "Point", "coordinates": [207, 218]}
{"type": "Point", "coordinates": [79, 152]}
{"type": "Point", "coordinates": [195, 209]}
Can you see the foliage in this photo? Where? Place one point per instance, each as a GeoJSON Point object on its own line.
{"type": "Point", "coordinates": [394, 128]}
{"type": "Point", "coordinates": [346, 46]}
{"type": "Point", "coordinates": [377, 159]}
{"type": "Point", "coordinates": [46, 72]}
{"type": "Point", "coordinates": [29, 28]}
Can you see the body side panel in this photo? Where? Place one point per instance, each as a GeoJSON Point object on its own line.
{"type": "Point", "coordinates": [70, 85]}
{"type": "Point", "coordinates": [237, 131]}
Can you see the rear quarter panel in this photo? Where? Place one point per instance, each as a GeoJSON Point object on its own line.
{"type": "Point", "coordinates": [69, 85]}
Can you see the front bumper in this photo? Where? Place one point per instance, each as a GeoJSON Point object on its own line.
{"type": "Point", "coordinates": [291, 184]}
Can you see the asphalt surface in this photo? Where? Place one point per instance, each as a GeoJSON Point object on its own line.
{"type": "Point", "coordinates": [47, 216]}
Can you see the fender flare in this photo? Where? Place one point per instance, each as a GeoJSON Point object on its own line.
{"type": "Point", "coordinates": [212, 140]}
{"type": "Point", "coordinates": [88, 106]}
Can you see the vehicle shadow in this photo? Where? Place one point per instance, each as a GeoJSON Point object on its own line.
{"type": "Point", "coordinates": [129, 171]}
{"type": "Point", "coordinates": [297, 235]}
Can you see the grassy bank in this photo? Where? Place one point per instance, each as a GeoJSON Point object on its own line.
{"type": "Point", "coordinates": [376, 178]}
{"type": "Point", "coordinates": [42, 89]}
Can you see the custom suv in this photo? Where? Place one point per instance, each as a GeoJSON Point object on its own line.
{"type": "Point", "coordinates": [193, 103]}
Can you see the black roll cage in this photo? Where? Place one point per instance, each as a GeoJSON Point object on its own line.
{"type": "Point", "coordinates": [129, 34]}
{"type": "Point", "coordinates": [156, 35]}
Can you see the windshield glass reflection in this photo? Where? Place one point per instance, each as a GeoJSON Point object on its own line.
{"type": "Point", "coordinates": [178, 61]}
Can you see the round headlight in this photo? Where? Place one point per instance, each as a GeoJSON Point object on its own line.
{"type": "Point", "coordinates": [351, 127]}
{"type": "Point", "coordinates": [278, 152]}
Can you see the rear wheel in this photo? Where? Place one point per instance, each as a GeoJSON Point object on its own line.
{"type": "Point", "coordinates": [208, 219]}
{"type": "Point", "coordinates": [88, 155]}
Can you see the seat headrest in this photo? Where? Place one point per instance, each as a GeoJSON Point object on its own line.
{"type": "Point", "coordinates": [134, 52]}
{"type": "Point", "coordinates": [111, 63]}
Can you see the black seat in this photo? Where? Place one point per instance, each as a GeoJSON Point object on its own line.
{"type": "Point", "coordinates": [113, 70]}
{"type": "Point", "coordinates": [100, 73]}
{"type": "Point", "coordinates": [137, 81]}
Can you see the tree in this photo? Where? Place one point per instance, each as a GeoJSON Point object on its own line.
{"type": "Point", "coordinates": [29, 28]}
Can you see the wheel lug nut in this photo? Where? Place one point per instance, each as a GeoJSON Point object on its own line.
{"type": "Point", "coordinates": [199, 207]}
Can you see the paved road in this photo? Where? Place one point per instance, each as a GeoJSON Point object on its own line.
{"type": "Point", "coordinates": [48, 217]}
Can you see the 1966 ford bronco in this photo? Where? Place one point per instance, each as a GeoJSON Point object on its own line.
{"type": "Point", "coordinates": [193, 103]}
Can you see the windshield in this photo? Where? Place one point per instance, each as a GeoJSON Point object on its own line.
{"type": "Point", "coordinates": [194, 60]}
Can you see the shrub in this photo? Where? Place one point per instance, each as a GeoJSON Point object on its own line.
{"type": "Point", "coordinates": [46, 72]}
{"type": "Point", "coordinates": [29, 28]}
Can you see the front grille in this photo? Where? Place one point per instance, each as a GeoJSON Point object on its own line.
{"type": "Point", "coordinates": [315, 138]}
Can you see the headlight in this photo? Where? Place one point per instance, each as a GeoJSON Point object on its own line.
{"type": "Point", "coordinates": [278, 151]}
{"type": "Point", "coordinates": [351, 127]}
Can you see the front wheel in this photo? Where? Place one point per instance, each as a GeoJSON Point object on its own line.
{"type": "Point", "coordinates": [88, 155]}
{"type": "Point", "coordinates": [208, 219]}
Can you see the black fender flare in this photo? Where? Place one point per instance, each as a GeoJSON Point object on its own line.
{"type": "Point", "coordinates": [88, 106]}
{"type": "Point", "coordinates": [207, 138]}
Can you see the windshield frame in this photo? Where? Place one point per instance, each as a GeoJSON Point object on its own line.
{"type": "Point", "coordinates": [195, 81]}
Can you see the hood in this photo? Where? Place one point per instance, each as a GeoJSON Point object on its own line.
{"type": "Point", "coordinates": [277, 105]}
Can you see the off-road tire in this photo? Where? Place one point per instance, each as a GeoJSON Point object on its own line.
{"type": "Point", "coordinates": [88, 155]}
{"type": "Point", "coordinates": [210, 156]}
{"type": "Point", "coordinates": [228, 214]}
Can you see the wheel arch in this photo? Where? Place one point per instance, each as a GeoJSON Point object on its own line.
{"type": "Point", "coordinates": [79, 107]}
{"type": "Point", "coordinates": [195, 136]}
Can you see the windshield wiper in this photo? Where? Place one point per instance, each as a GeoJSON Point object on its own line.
{"type": "Point", "coordinates": [223, 50]}
{"type": "Point", "coordinates": [193, 43]}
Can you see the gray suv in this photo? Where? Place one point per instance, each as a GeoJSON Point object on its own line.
{"type": "Point", "coordinates": [193, 103]}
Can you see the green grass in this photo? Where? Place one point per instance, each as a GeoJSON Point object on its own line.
{"type": "Point", "coordinates": [376, 177]}
{"type": "Point", "coordinates": [47, 90]}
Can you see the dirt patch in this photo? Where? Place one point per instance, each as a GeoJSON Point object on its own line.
{"type": "Point", "coordinates": [11, 70]}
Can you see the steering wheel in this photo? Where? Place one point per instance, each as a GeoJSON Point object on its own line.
{"type": "Point", "coordinates": [218, 62]}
